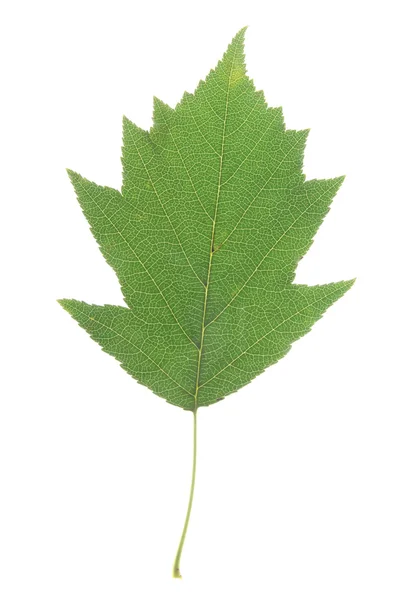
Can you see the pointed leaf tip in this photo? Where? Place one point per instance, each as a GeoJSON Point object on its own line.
{"type": "Point", "coordinates": [241, 34]}
{"type": "Point", "coordinates": [125, 121]}
{"type": "Point", "coordinates": [64, 303]}
{"type": "Point", "coordinates": [237, 43]}
{"type": "Point", "coordinates": [160, 108]}
{"type": "Point", "coordinates": [232, 64]}
{"type": "Point", "coordinates": [73, 176]}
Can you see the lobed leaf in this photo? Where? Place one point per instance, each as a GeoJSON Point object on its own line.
{"type": "Point", "coordinates": [205, 236]}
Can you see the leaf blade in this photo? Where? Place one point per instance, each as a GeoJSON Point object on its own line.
{"type": "Point", "coordinates": [213, 216]}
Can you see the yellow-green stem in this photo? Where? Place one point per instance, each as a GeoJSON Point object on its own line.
{"type": "Point", "coordinates": [176, 569]}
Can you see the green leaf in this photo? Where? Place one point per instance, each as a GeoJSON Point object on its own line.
{"type": "Point", "coordinates": [205, 236]}
{"type": "Point", "coordinates": [213, 217]}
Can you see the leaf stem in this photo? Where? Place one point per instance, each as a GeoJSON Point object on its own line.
{"type": "Point", "coordinates": [176, 573]}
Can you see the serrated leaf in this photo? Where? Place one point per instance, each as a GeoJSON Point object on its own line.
{"type": "Point", "coordinates": [205, 236]}
{"type": "Point", "coordinates": [213, 217]}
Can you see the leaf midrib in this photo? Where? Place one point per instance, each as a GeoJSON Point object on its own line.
{"type": "Point", "coordinates": [213, 236]}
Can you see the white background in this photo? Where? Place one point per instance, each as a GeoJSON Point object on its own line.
{"type": "Point", "coordinates": [298, 489]}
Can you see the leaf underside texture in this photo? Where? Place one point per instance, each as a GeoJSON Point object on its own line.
{"type": "Point", "coordinates": [205, 236]}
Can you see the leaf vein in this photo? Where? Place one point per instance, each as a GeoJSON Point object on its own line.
{"type": "Point", "coordinates": [268, 253]}
{"type": "Point", "coordinates": [165, 212]}
{"type": "Point", "coordinates": [137, 348]}
{"type": "Point", "coordinates": [124, 239]}
{"type": "Point", "coordinates": [263, 337]}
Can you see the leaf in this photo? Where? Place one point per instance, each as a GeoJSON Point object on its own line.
{"type": "Point", "coordinates": [205, 236]}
